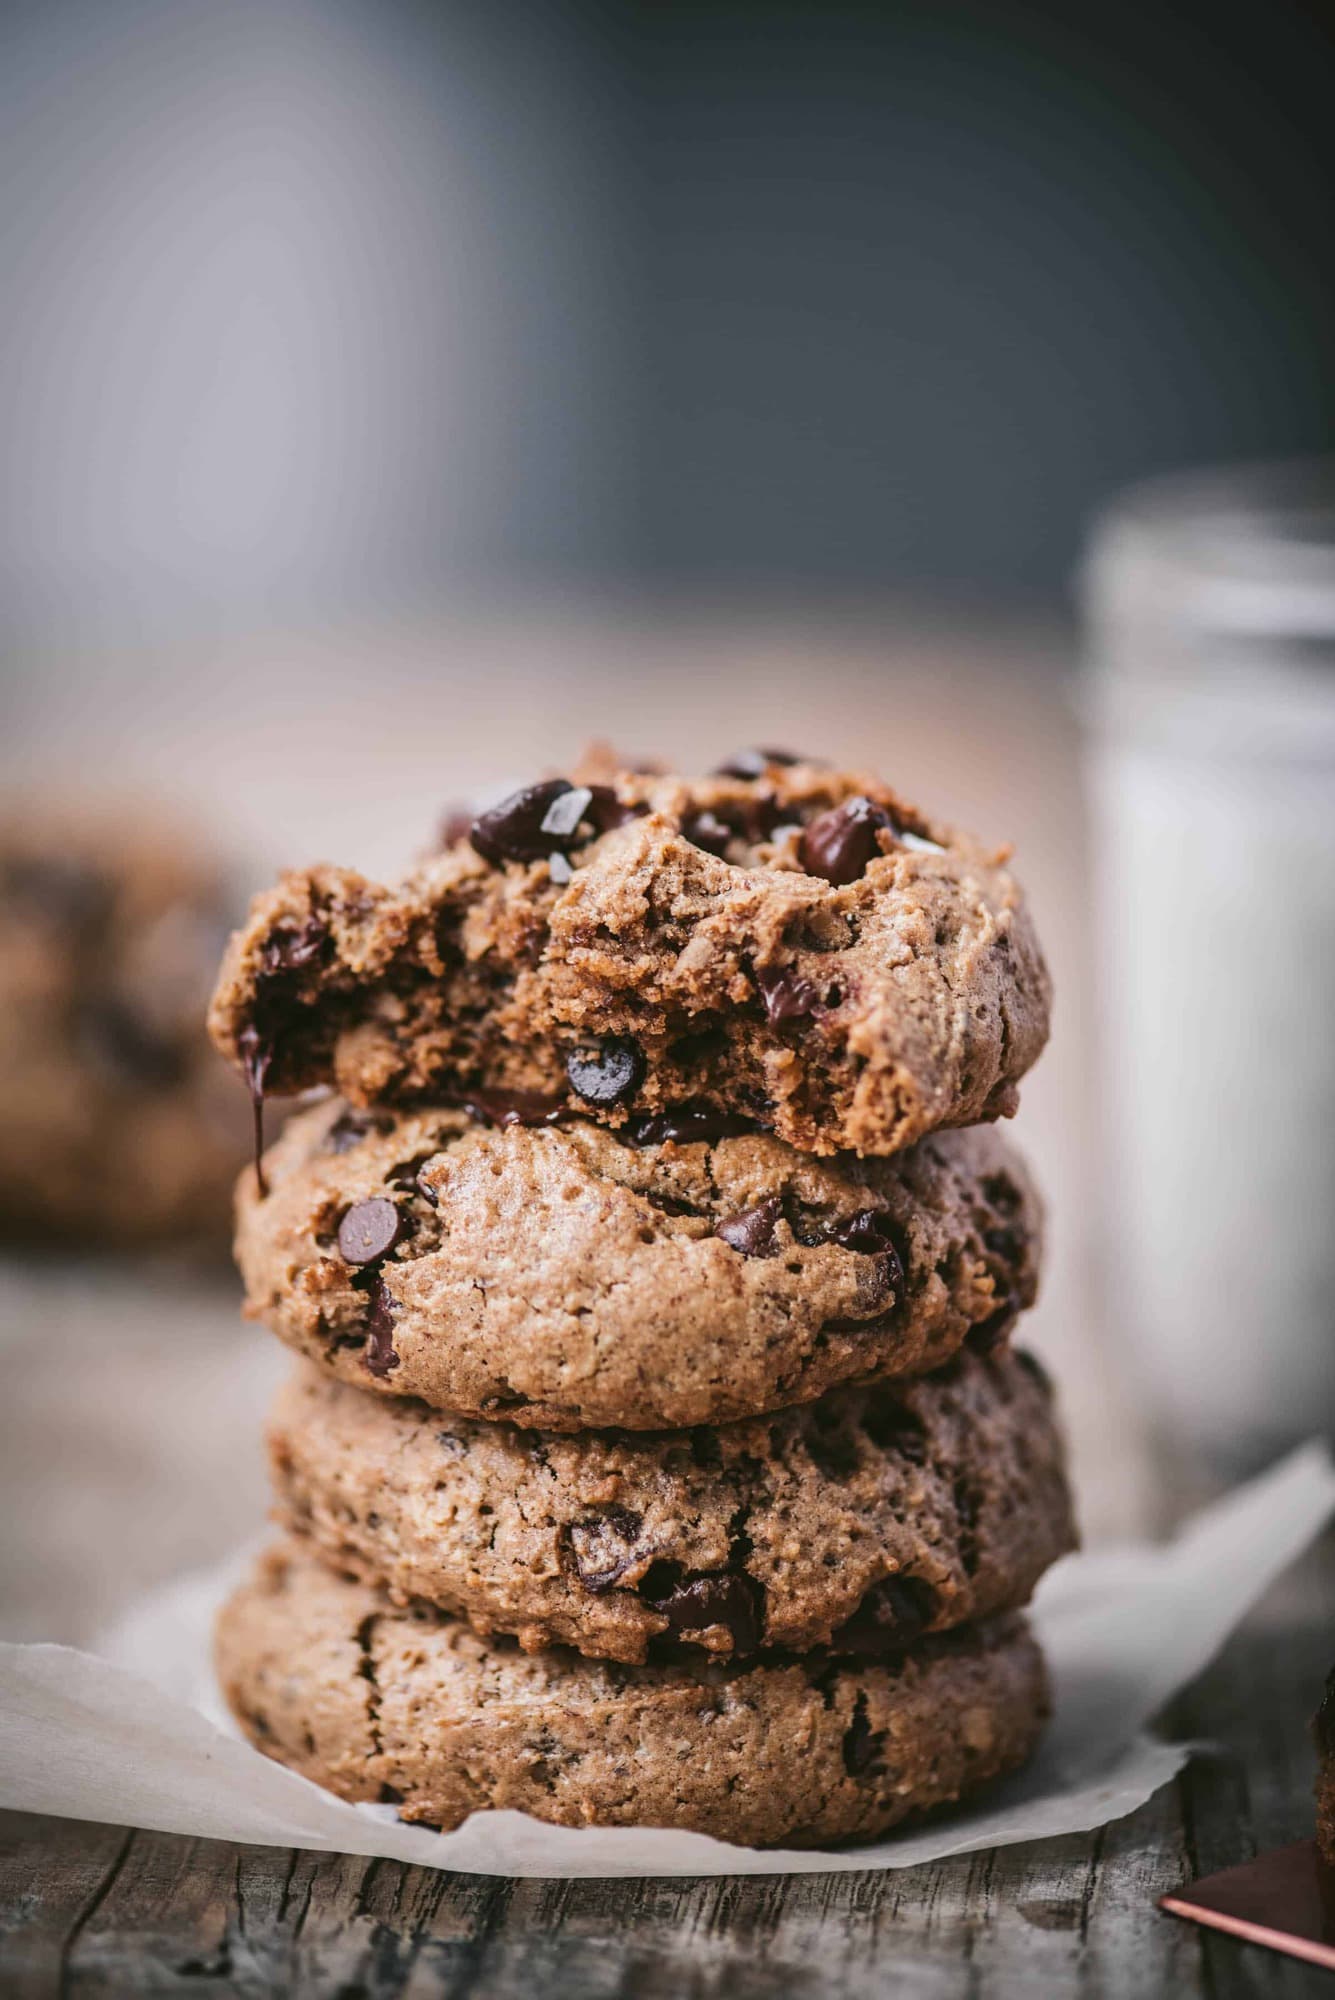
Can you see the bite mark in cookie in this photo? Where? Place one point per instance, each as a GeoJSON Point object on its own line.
{"type": "Point", "coordinates": [793, 947]}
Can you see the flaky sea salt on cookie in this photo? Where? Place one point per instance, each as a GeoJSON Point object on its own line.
{"type": "Point", "coordinates": [780, 943]}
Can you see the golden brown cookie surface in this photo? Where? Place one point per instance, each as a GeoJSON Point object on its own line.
{"type": "Point", "coordinates": [327, 1676]}
{"type": "Point", "coordinates": [564, 1277]}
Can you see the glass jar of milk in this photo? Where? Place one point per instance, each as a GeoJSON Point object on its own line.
{"type": "Point", "coordinates": [1210, 607]}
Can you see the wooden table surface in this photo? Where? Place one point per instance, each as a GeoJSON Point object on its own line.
{"type": "Point", "coordinates": [129, 1429]}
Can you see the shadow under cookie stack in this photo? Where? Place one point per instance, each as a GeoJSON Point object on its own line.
{"type": "Point", "coordinates": [657, 1454]}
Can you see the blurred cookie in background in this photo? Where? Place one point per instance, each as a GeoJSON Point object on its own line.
{"type": "Point", "coordinates": [1323, 1728]}
{"type": "Point", "coordinates": [120, 1126]}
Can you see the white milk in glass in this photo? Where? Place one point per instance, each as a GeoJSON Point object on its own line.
{"type": "Point", "coordinates": [1211, 618]}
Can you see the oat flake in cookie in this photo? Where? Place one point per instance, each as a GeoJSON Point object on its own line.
{"type": "Point", "coordinates": [567, 1275]}
{"type": "Point", "coordinates": [857, 1523]}
{"type": "Point", "coordinates": [792, 946]}
{"type": "Point", "coordinates": [377, 1703]}
{"type": "Point", "coordinates": [115, 1127]}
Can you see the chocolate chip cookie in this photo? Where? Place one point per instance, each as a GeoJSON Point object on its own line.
{"type": "Point", "coordinates": [411, 1706]}
{"type": "Point", "coordinates": [1324, 1732]}
{"type": "Point", "coordinates": [115, 1128]}
{"type": "Point", "coordinates": [857, 1523]}
{"type": "Point", "coordinates": [563, 1276]}
{"type": "Point", "coordinates": [780, 944]}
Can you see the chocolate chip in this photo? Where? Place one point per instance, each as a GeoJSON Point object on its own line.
{"type": "Point", "coordinates": [1034, 1368]}
{"type": "Point", "coordinates": [872, 1234]}
{"type": "Point", "coordinates": [293, 946]}
{"type": "Point", "coordinates": [832, 1449]}
{"type": "Point", "coordinates": [1003, 1243]}
{"type": "Point", "coordinates": [559, 869]}
{"type": "Point", "coordinates": [991, 1333]}
{"type": "Point", "coordinates": [378, 1356]}
{"type": "Point", "coordinates": [754, 763]}
{"type": "Point", "coordinates": [707, 830]}
{"type": "Point", "coordinates": [514, 829]}
{"type": "Point", "coordinates": [787, 996]}
{"type": "Point", "coordinates": [753, 1231]}
{"type": "Point", "coordinates": [1001, 1191]}
{"type": "Point", "coordinates": [716, 1597]}
{"type": "Point", "coordinates": [350, 1128]}
{"type": "Point", "coordinates": [370, 1229]}
{"type": "Point", "coordinates": [606, 1072]}
{"type": "Point", "coordinates": [862, 1744]}
{"type": "Point", "coordinates": [892, 1614]}
{"type": "Point", "coordinates": [116, 1037]}
{"type": "Point", "coordinates": [608, 812]}
{"type": "Point", "coordinates": [838, 845]}
{"type": "Point", "coordinates": [513, 1107]}
{"type": "Point", "coordinates": [602, 1548]}
{"type": "Point", "coordinates": [687, 1126]}
{"type": "Point", "coordinates": [542, 820]}
{"type": "Point", "coordinates": [893, 1427]}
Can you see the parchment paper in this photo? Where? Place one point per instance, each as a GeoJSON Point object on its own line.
{"type": "Point", "coordinates": [133, 1733]}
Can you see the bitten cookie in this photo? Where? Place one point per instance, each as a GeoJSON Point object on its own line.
{"type": "Point", "coordinates": [115, 1129]}
{"type": "Point", "coordinates": [856, 1523]}
{"type": "Point", "coordinates": [373, 1702]}
{"type": "Point", "coordinates": [570, 1276]}
{"type": "Point", "coordinates": [782, 943]}
{"type": "Point", "coordinates": [1324, 1731]}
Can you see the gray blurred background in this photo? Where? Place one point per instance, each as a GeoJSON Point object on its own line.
{"type": "Point", "coordinates": [313, 304]}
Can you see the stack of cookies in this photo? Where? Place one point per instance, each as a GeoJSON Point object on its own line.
{"type": "Point", "coordinates": [657, 1454]}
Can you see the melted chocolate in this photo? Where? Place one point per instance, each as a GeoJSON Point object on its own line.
{"type": "Point", "coordinates": [602, 1548]}
{"type": "Point", "coordinates": [724, 1597]}
{"type": "Point", "coordinates": [607, 811]}
{"type": "Point", "coordinates": [708, 831]}
{"type": "Point", "coordinates": [838, 845]}
{"type": "Point", "coordinates": [350, 1128]}
{"type": "Point", "coordinates": [256, 1056]}
{"type": "Point", "coordinates": [514, 1107]}
{"type": "Point", "coordinates": [607, 1072]}
{"type": "Point", "coordinates": [862, 1744]}
{"type": "Point", "coordinates": [891, 1616]}
{"type": "Point", "coordinates": [753, 1231]}
{"type": "Point", "coordinates": [787, 996]}
{"type": "Point", "coordinates": [378, 1356]}
{"type": "Point", "coordinates": [289, 950]}
{"type": "Point", "coordinates": [686, 1126]}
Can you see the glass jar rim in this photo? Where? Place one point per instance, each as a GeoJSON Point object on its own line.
{"type": "Point", "coordinates": [1244, 551]}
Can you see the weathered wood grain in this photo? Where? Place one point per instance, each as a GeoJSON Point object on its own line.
{"type": "Point", "coordinates": [94, 1911]}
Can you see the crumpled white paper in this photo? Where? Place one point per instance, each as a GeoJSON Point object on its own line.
{"type": "Point", "coordinates": [134, 1734]}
